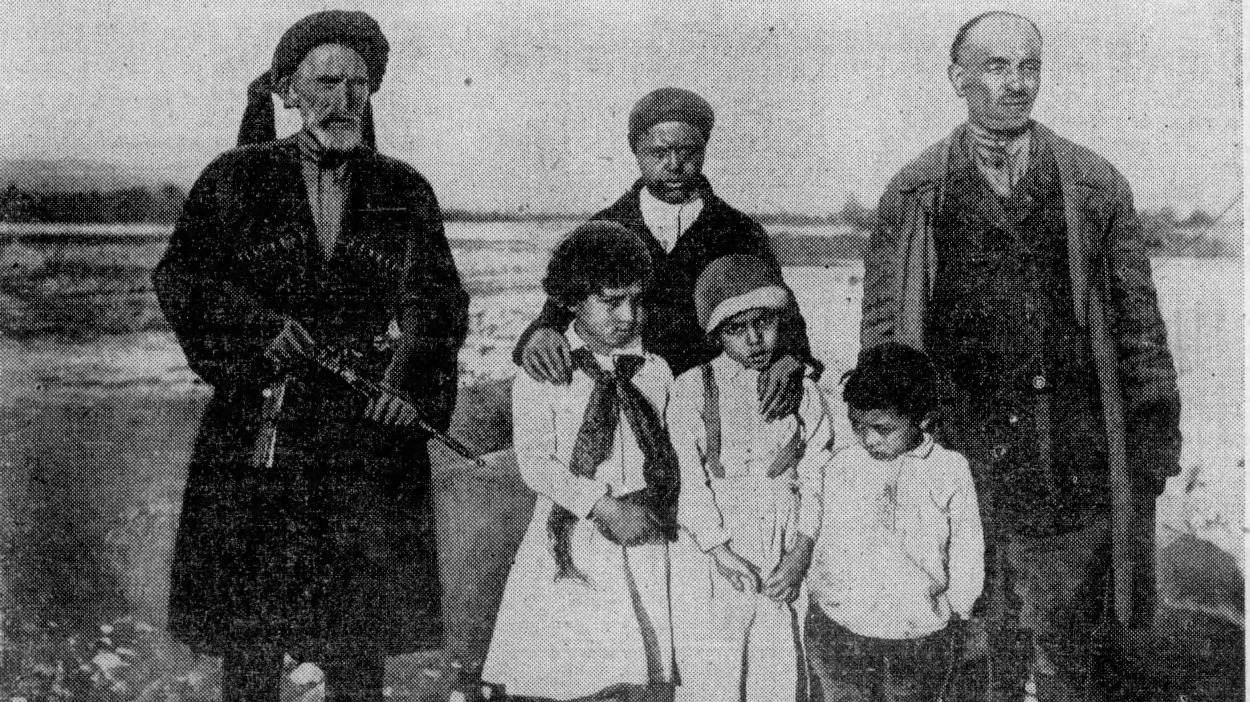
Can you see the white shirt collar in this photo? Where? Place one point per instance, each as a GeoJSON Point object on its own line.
{"type": "Point", "coordinates": [667, 221]}
{"type": "Point", "coordinates": [733, 370]}
{"type": "Point", "coordinates": [924, 449]}
{"type": "Point", "coordinates": [634, 348]}
{"type": "Point", "coordinates": [1001, 159]}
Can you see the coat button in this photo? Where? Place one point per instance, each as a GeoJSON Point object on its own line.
{"type": "Point", "coordinates": [1039, 382]}
{"type": "Point", "coordinates": [1014, 419]}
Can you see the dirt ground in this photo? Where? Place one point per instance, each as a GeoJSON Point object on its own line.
{"type": "Point", "coordinates": [96, 433]}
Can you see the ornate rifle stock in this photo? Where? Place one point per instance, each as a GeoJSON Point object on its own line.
{"type": "Point", "coordinates": [273, 397]}
{"type": "Point", "coordinates": [333, 362]}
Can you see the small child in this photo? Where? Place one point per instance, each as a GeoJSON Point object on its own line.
{"type": "Point", "coordinates": [901, 553]}
{"type": "Point", "coordinates": [750, 498]}
{"type": "Point", "coordinates": [585, 611]}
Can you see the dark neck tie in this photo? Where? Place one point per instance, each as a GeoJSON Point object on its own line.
{"type": "Point", "coordinates": [603, 411]}
{"type": "Point", "coordinates": [614, 393]}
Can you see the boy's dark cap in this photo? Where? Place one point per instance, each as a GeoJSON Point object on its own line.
{"type": "Point", "coordinates": [737, 283]}
{"type": "Point", "coordinates": [670, 105]}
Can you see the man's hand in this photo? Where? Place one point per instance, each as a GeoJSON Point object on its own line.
{"type": "Point", "coordinates": [625, 523]}
{"type": "Point", "coordinates": [781, 388]}
{"type": "Point", "coordinates": [390, 410]}
{"type": "Point", "coordinates": [782, 585]}
{"type": "Point", "coordinates": [737, 570]}
{"type": "Point", "coordinates": [547, 357]}
{"type": "Point", "coordinates": [292, 345]}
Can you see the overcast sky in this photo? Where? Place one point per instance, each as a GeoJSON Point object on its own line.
{"type": "Point", "coordinates": [521, 103]}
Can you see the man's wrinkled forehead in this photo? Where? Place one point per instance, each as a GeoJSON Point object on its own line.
{"type": "Point", "coordinates": [333, 60]}
{"type": "Point", "coordinates": [1000, 36]}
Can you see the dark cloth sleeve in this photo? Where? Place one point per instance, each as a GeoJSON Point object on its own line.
{"type": "Point", "coordinates": [223, 329]}
{"type": "Point", "coordinates": [1147, 373]}
{"type": "Point", "coordinates": [433, 312]}
{"type": "Point", "coordinates": [553, 316]}
{"type": "Point", "coordinates": [880, 266]}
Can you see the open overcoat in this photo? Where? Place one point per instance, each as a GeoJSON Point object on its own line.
{"type": "Point", "coordinates": [1114, 299]}
{"type": "Point", "coordinates": [331, 551]}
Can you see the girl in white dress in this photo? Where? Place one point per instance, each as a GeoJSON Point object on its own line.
{"type": "Point", "coordinates": [585, 613]}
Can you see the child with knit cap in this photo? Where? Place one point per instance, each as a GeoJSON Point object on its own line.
{"type": "Point", "coordinates": [900, 558]}
{"type": "Point", "coordinates": [585, 612]}
{"type": "Point", "coordinates": [750, 504]}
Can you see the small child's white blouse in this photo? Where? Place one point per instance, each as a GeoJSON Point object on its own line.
{"type": "Point", "coordinates": [901, 547]}
{"type": "Point", "coordinates": [749, 445]}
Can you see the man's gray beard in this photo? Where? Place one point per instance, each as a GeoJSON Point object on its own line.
{"type": "Point", "coordinates": [338, 140]}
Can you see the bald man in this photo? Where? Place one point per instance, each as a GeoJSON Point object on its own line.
{"type": "Point", "coordinates": [1014, 257]}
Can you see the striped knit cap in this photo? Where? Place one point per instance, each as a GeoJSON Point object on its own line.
{"type": "Point", "coordinates": [737, 283]}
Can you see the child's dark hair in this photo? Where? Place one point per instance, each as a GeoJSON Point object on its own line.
{"type": "Point", "coordinates": [595, 256]}
{"type": "Point", "coordinates": [893, 376]}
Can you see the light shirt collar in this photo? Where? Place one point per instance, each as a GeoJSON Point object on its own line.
{"type": "Point", "coordinates": [733, 370]}
{"type": "Point", "coordinates": [924, 449]}
{"type": "Point", "coordinates": [666, 221]}
{"type": "Point", "coordinates": [1001, 159]}
{"type": "Point", "coordinates": [634, 348]}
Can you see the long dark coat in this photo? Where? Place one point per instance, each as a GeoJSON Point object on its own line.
{"type": "Point", "coordinates": [1114, 301]}
{"type": "Point", "coordinates": [671, 329]}
{"type": "Point", "coordinates": [332, 550]}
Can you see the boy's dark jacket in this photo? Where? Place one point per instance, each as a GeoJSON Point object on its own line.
{"type": "Point", "coordinates": [334, 546]}
{"type": "Point", "coordinates": [671, 329]}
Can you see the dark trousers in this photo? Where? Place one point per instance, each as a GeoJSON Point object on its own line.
{"type": "Point", "coordinates": [848, 667]}
{"type": "Point", "coordinates": [1048, 602]}
{"type": "Point", "coordinates": [256, 676]}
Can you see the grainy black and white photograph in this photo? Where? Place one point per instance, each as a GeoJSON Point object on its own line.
{"type": "Point", "coordinates": [715, 351]}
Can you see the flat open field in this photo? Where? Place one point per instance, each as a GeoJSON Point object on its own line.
{"type": "Point", "coordinates": [97, 412]}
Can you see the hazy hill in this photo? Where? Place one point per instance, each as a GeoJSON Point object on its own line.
{"type": "Point", "coordinates": [40, 176]}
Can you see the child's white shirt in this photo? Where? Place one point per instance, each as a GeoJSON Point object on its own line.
{"type": "Point", "coordinates": [749, 445]}
{"type": "Point", "coordinates": [666, 221]}
{"type": "Point", "coordinates": [901, 547]}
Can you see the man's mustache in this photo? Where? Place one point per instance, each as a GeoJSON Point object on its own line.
{"type": "Point", "coordinates": [1015, 97]}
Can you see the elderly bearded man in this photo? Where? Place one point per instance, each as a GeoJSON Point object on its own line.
{"type": "Point", "coordinates": [284, 248]}
{"type": "Point", "coordinates": [685, 226]}
{"type": "Point", "coordinates": [1014, 257]}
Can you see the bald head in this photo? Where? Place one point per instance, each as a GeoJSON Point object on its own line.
{"type": "Point", "coordinates": [998, 20]}
{"type": "Point", "coordinates": [996, 67]}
